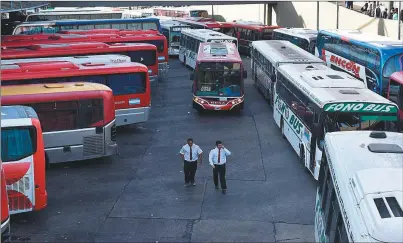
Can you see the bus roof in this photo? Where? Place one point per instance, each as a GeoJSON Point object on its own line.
{"type": "Point", "coordinates": [377, 41]}
{"type": "Point", "coordinates": [324, 85]}
{"type": "Point", "coordinates": [218, 52]}
{"type": "Point", "coordinates": [88, 21]}
{"type": "Point", "coordinates": [17, 112]}
{"type": "Point", "coordinates": [172, 23]}
{"type": "Point", "coordinates": [280, 51]}
{"type": "Point", "coordinates": [299, 32]}
{"type": "Point", "coordinates": [206, 34]}
{"type": "Point", "coordinates": [252, 26]}
{"type": "Point", "coordinates": [112, 58]}
{"type": "Point", "coordinates": [62, 69]}
{"type": "Point", "coordinates": [46, 50]}
{"type": "Point", "coordinates": [398, 77]}
{"type": "Point", "coordinates": [51, 88]}
{"type": "Point", "coordinates": [373, 171]}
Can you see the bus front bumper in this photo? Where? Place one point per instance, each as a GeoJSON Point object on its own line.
{"type": "Point", "coordinates": [5, 230]}
{"type": "Point", "coordinates": [132, 115]}
{"type": "Point", "coordinates": [202, 104]}
{"type": "Point", "coordinates": [163, 69]}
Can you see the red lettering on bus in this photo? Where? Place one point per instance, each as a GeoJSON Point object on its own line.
{"type": "Point", "coordinates": [346, 65]}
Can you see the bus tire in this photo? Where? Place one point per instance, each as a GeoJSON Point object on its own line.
{"type": "Point", "coordinates": [47, 163]}
{"type": "Point", "coordinates": [282, 126]}
{"type": "Point", "coordinates": [302, 155]}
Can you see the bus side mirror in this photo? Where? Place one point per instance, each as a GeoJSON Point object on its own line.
{"type": "Point", "coordinates": [245, 74]}
{"type": "Point", "coordinates": [192, 76]}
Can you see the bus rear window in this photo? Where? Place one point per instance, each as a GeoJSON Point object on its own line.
{"type": "Point", "coordinates": [147, 58]}
{"type": "Point", "coordinates": [69, 115]}
{"type": "Point", "coordinates": [17, 143]}
{"type": "Point", "coordinates": [124, 84]}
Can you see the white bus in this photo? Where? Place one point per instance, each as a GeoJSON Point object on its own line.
{"type": "Point", "coordinates": [101, 14]}
{"type": "Point", "coordinates": [360, 188]}
{"type": "Point", "coordinates": [268, 55]}
{"type": "Point", "coordinates": [304, 38]}
{"type": "Point", "coordinates": [191, 38]}
{"type": "Point", "coordinates": [312, 99]}
{"type": "Point", "coordinates": [172, 31]}
{"type": "Point", "coordinates": [180, 12]}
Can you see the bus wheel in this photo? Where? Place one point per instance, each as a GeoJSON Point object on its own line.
{"type": "Point", "coordinates": [302, 154]}
{"type": "Point", "coordinates": [47, 164]}
{"type": "Point", "coordinates": [282, 127]}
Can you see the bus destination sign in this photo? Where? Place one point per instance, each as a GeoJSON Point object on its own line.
{"type": "Point", "coordinates": [360, 107]}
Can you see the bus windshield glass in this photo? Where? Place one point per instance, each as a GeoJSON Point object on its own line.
{"type": "Point", "coordinates": [17, 143]}
{"type": "Point", "coordinates": [219, 79]}
{"type": "Point", "coordinates": [347, 121]}
{"type": "Point", "coordinates": [394, 64]}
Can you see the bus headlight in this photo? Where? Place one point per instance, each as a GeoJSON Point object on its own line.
{"type": "Point", "coordinates": [134, 101]}
{"type": "Point", "coordinates": [161, 58]}
{"type": "Point", "coordinates": [236, 101]}
{"type": "Point", "coordinates": [150, 71]}
{"type": "Point", "coordinates": [201, 101]}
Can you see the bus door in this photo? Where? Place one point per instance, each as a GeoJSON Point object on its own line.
{"type": "Point", "coordinates": [17, 153]}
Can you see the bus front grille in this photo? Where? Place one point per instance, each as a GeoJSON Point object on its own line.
{"type": "Point", "coordinates": [113, 133]}
{"type": "Point", "coordinates": [18, 195]}
{"type": "Point", "coordinates": [93, 145]}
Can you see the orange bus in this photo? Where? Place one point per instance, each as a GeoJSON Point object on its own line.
{"type": "Point", "coordinates": [5, 213]}
{"type": "Point", "coordinates": [23, 158]}
{"type": "Point", "coordinates": [129, 82]}
{"type": "Point", "coordinates": [77, 119]}
{"type": "Point", "coordinates": [140, 52]}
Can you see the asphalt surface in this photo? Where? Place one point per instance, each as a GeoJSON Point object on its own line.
{"type": "Point", "coordinates": [138, 195]}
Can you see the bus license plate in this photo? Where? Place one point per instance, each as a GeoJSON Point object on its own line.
{"type": "Point", "coordinates": [217, 108]}
{"type": "Point", "coordinates": [205, 88]}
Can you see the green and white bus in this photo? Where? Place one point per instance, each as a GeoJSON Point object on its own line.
{"type": "Point", "coordinates": [360, 188]}
{"type": "Point", "coordinates": [311, 100]}
{"type": "Point", "coordinates": [268, 55]}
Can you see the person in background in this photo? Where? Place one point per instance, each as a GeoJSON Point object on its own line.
{"type": "Point", "coordinates": [385, 14]}
{"type": "Point", "coordinates": [395, 14]}
{"type": "Point", "coordinates": [378, 11]}
{"type": "Point", "coordinates": [218, 159]}
{"type": "Point", "coordinates": [190, 154]}
{"type": "Point", "coordinates": [401, 15]}
{"type": "Point", "coordinates": [370, 11]}
{"type": "Point", "coordinates": [390, 14]}
{"type": "Point", "coordinates": [364, 8]}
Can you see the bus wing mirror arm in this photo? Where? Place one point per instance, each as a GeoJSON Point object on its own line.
{"type": "Point", "coordinates": [245, 74]}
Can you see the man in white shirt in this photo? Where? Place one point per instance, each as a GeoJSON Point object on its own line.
{"type": "Point", "coordinates": [190, 154]}
{"type": "Point", "coordinates": [218, 159]}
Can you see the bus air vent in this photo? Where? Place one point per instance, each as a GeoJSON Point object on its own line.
{"type": "Point", "coordinates": [334, 76]}
{"type": "Point", "coordinates": [377, 134]}
{"type": "Point", "coordinates": [310, 67]}
{"type": "Point", "coordinates": [93, 64]}
{"type": "Point", "coordinates": [53, 86]}
{"type": "Point", "coordinates": [348, 91]}
{"type": "Point", "coordinates": [385, 148]}
{"type": "Point", "coordinates": [382, 204]}
{"type": "Point", "coordinates": [79, 84]}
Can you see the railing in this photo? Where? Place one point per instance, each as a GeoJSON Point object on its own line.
{"type": "Point", "coordinates": [11, 6]}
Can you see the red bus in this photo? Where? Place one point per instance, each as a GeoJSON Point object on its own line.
{"type": "Point", "coordinates": [138, 52]}
{"type": "Point", "coordinates": [126, 36]}
{"type": "Point", "coordinates": [23, 158]}
{"type": "Point", "coordinates": [395, 92]}
{"type": "Point", "coordinates": [201, 23]}
{"type": "Point", "coordinates": [129, 82]}
{"type": "Point", "coordinates": [218, 78]}
{"type": "Point", "coordinates": [5, 213]}
{"type": "Point", "coordinates": [248, 32]}
{"type": "Point", "coordinates": [77, 119]}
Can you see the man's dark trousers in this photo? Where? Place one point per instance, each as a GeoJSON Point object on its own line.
{"type": "Point", "coordinates": [220, 171]}
{"type": "Point", "coordinates": [189, 168]}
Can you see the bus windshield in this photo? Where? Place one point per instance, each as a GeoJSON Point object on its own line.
{"type": "Point", "coordinates": [17, 143]}
{"type": "Point", "coordinates": [219, 79]}
{"type": "Point", "coordinates": [348, 121]}
{"type": "Point", "coordinates": [394, 64]}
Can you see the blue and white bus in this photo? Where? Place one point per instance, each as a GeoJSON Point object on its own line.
{"type": "Point", "coordinates": [49, 27]}
{"type": "Point", "coordinates": [369, 58]}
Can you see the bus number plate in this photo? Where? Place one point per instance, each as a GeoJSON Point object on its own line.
{"type": "Point", "coordinates": [217, 108]}
{"type": "Point", "coordinates": [205, 88]}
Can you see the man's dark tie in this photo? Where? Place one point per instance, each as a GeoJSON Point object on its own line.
{"type": "Point", "coordinates": [191, 157]}
{"type": "Point", "coordinates": [219, 157]}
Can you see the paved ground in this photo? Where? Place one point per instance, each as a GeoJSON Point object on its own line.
{"type": "Point", "coordinates": [139, 196]}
